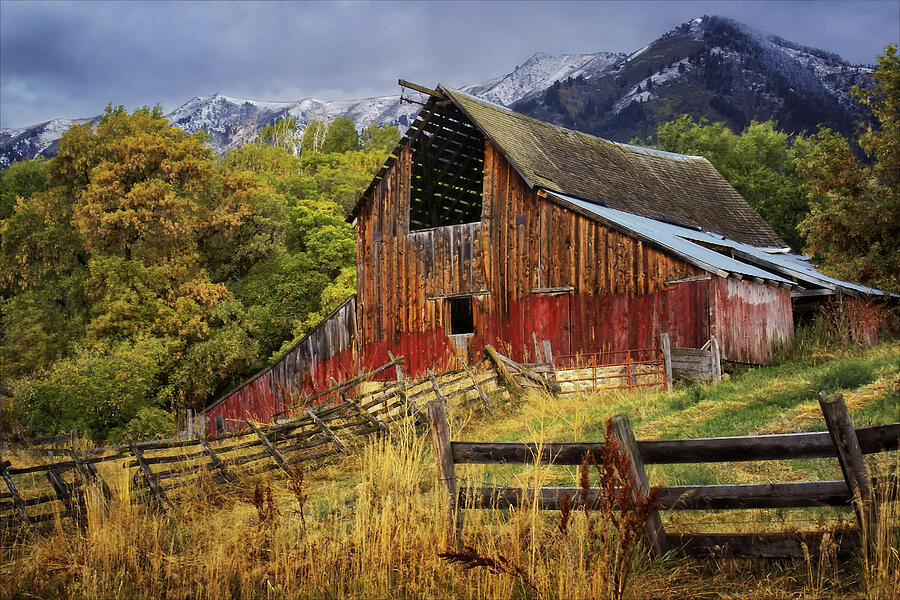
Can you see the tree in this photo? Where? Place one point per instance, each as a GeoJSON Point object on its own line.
{"type": "Point", "coordinates": [313, 137]}
{"type": "Point", "coordinates": [379, 139]}
{"type": "Point", "coordinates": [20, 180]}
{"type": "Point", "coordinates": [855, 208]}
{"type": "Point", "coordinates": [280, 134]}
{"type": "Point", "coordinates": [760, 162]}
{"type": "Point", "coordinates": [341, 136]}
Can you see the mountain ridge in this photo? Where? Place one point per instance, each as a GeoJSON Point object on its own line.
{"type": "Point", "coordinates": [709, 67]}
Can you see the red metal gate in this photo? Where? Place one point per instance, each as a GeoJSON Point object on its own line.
{"type": "Point", "coordinates": [613, 370]}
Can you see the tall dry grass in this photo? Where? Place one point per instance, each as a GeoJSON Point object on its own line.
{"type": "Point", "coordinates": [372, 527]}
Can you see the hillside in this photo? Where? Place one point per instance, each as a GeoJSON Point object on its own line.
{"type": "Point", "coordinates": [372, 525]}
{"type": "Point", "coordinates": [709, 67]}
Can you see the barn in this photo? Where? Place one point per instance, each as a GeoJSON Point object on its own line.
{"type": "Point", "coordinates": [488, 227]}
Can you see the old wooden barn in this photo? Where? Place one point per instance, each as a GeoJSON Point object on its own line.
{"type": "Point", "coordinates": [490, 227]}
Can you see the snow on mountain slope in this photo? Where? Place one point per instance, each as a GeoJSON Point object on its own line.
{"type": "Point", "coordinates": [540, 72]}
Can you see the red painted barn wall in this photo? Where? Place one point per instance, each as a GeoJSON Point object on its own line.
{"type": "Point", "coordinates": [326, 351]}
{"type": "Point", "coordinates": [530, 265]}
{"type": "Point", "coordinates": [751, 320]}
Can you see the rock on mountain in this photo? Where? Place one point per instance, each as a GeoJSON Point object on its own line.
{"type": "Point", "coordinates": [710, 67]}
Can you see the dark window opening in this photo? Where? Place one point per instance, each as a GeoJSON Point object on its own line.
{"type": "Point", "coordinates": [461, 315]}
{"type": "Point", "coordinates": [447, 169]}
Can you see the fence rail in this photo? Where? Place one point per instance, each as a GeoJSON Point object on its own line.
{"type": "Point", "coordinates": [327, 425]}
{"type": "Point", "coordinates": [841, 441]}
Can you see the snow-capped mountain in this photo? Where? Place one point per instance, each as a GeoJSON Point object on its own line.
{"type": "Point", "coordinates": [709, 67]}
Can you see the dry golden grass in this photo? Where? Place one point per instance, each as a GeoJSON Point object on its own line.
{"type": "Point", "coordinates": [373, 528]}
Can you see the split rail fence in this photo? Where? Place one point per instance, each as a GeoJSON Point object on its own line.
{"type": "Point", "coordinates": [841, 441]}
{"type": "Point", "coordinates": [325, 425]}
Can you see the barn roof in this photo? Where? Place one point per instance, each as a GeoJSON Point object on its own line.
{"type": "Point", "coordinates": [716, 253]}
{"type": "Point", "coordinates": [641, 181]}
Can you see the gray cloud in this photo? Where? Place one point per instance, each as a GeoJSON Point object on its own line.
{"type": "Point", "coordinates": [70, 59]}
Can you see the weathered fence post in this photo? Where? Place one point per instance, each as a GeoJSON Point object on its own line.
{"type": "Point", "coordinates": [360, 410]}
{"type": "Point", "coordinates": [853, 465]}
{"type": "Point", "coordinates": [269, 448]}
{"type": "Point", "coordinates": [716, 358]}
{"type": "Point", "coordinates": [214, 458]}
{"type": "Point", "coordinates": [443, 453]}
{"type": "Point", "coordinates": [324, 429]}
{"type": "Point", "coordinates": [656, 535]}
{"type": "Point", "coordinates": [667, 358]}
{"type": "Point", "coordinates": [484, 399]}
{"type": "Point", "coordinates": [149, 475]}
{"type": "Point", "coordinates": [515, 390]}
{"type": "Point", "coordinates": [17, 500]}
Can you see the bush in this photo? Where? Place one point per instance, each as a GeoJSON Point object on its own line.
{"type": "Point", "coordinates": [148, 424]}
{"type": "Point", "coordinates": [97, 391]}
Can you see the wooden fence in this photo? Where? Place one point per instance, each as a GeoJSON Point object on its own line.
{"type": "Point", "coordinates": [841, 441]}
{"type": "Point", "coordinates": [327, 425]}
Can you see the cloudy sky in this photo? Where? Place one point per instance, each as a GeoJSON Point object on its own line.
{"type": "Point", "coordinates": [60, 59]}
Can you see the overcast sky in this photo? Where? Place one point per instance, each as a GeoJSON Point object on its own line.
{"type": "Point", "coordinates": [60, 59]}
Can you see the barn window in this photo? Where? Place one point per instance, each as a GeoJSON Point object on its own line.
{"type": "Point", "coordinates": [447, 168]}
{"type": "Point", "coordinates": [461, 315]}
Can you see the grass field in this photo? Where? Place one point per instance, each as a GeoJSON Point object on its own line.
{"type": "Point", "coordinates": [371, 526]}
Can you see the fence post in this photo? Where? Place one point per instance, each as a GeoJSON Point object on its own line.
{"type": "Point", "coordinates": [214, 458]}
{"type": "Point", "coordinates": [667, 358]}
{"type": "Point", "coordinates": [716, 358]}
{"type": "Point", "coordinates": [269, 447]}
{"type": "Point", "coordinates": [401, 382]}
{"type": "Point", "coordinates": [656, 535]}
{"type": "Point", "coordinates": [324, 429]}
{"type": "Point", "coordinates": [148, 475]}
{"type": "Point", "coordinates": [853, 465]}
{"type": "Point", "coordinates": [17, 500]}
{"type": "Point", "coordinates": [515, 390]}
{"type": "Point", "coordinates": [484, 399]}
{"type": "Point", "coordinates": [443, 454]}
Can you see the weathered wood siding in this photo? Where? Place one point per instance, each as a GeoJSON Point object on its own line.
{"type": "Point", "coordinates": [531, 265]}
{"type": "Point", "coordinates": [750, 320]}
{"type": "Point", "coordinates": [326, 351]}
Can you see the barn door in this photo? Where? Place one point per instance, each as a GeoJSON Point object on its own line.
{"type": "Point", "coordinates": [548, 316]}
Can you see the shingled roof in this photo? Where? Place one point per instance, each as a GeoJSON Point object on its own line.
{"type": "Point", "coordinates": [650, 183]}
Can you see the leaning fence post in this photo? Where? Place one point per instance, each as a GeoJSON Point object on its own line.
{"type": "Point", "coordinates": [667, 358]}
{"type": "Point", "coordinates": [484, 399]}
{"type": "Point", "coordinates": [853, 465]}
{"type": "Point", "coordinates": [656, 535]}
{"type": "Point", "coordinates": [17, 500]}
{"type": "Point", "coordinates": [443, 454]}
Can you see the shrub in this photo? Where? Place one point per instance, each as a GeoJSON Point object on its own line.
{"type": "Point", "coordinates": [148, 424]}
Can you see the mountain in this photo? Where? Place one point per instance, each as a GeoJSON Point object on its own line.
{"type": "Point", "coordinates": [710, 67]}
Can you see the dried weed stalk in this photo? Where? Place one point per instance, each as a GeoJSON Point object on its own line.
{"type": "Point", "coordinates": [469, 558]}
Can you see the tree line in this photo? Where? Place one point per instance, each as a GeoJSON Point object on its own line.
{"type": "Point", "coordinates": [140, 274]}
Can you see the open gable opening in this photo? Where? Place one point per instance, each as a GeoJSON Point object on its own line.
{"type": "Point", "coordinates": [447, 168]}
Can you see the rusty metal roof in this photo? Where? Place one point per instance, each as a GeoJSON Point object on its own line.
{"type": "Point", "coordinates": [641, 181]}
{"type": "Point", "coordinates": [716, 253]}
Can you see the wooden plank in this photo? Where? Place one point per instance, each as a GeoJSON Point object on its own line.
{"type": "Point", "coordinates": [440, 439]}
{"type": "Point", "coordinates": [725, 449]}
{"type": "Point", "coordinates": [484, 399]}
{"type": "Point", "coordinates": [334, 438]}
{"type": "Point", "coordinates": [793, 494]}
{"type": "Point", "coordinates": [89, 472]}
{"type": "Point", "coordinates": [17, 500]}
{"type": "Point", "coordinates": [853, 464]}
{"type": "Point", "coordinates": [760, 545]}
{"type": "Point", "coordinates": [715, 358]}
{"type": "Point", "coordinates": [216, 461]}
{"type": "Point", "coordinates": [363, 412]}
{"type": "Point", "coordinates": [269, 448]}
{"type": "Point", "coordinates": [656, 534]}
{"type": "Point", "coordinates": [515, 390]}
{"type": "Point", "coordinates": [148, 475]}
